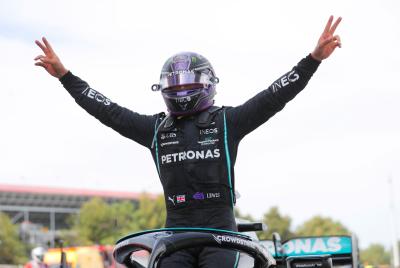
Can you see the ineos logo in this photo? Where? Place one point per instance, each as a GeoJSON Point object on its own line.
{"type": "Point", "coordinates": [93, 94]}
{"type": "Point", "coordinates": [208, 131]}
{"type": "Point", "coordinates": [285, 80]}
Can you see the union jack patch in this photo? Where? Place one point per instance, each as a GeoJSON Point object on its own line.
{"type": "Point", "coordinates": [180, 198]}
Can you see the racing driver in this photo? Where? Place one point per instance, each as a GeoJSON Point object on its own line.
{"type": "Point", "coordinates": [194, 145]}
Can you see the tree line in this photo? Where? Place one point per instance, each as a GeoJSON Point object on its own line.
{"type": "Point", "coordinates": [102, 223]}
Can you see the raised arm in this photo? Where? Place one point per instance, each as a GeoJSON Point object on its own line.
{"type": "Point", "coordinates": [129, 124]}
{"type": "Point", "coordinates": [247, 117]}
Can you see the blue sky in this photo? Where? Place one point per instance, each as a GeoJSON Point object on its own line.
{"type": "Point", "coordinates": [329, 152]}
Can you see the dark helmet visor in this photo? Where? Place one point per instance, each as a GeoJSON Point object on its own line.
{"type": "Point", "coordinates": [184, 78]}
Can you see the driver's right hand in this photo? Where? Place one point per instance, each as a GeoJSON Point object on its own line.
{"type": "Point", "coordinates": [49, 61]}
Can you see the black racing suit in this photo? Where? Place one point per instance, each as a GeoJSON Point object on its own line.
{"type": "Point", "coordinates": [195, 155]}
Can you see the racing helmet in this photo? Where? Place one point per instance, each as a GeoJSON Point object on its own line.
{"type": "Point", "coordinates": [187, 83]}
{"type": "Point", "coordinates": [37, 254]}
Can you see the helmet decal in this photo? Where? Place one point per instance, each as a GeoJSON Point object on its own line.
{"type": "Point", "coordinates": [180, 62]}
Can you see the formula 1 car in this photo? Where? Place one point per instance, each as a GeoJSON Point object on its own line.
{"type": "Point", "coordinates": [302, 252]}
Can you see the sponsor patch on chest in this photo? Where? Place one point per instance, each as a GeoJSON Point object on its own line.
{"type": "Point", "coordinates": [208, 131]}
{"type": "Point", "coordinates": [168, 135]}
{"type": "Point", "coordinates": [190, 155]}
{"type": "Point", "coordinates": [169, 143]}
{"type": "Point", "coordinates": [208, 141]}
